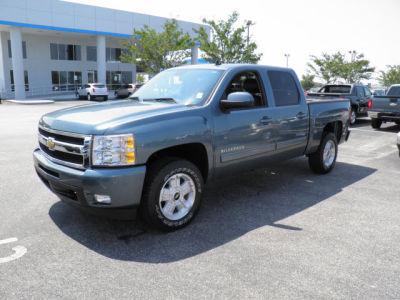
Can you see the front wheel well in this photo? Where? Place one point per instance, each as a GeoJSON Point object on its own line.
{"type": "Point", "coordinates": [196, 153]}
{"type": "Point", "coordinates": [336, 128]}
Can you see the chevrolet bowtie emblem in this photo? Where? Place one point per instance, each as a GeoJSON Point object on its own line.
{"type": "Point", "coordinates": [50, 143]}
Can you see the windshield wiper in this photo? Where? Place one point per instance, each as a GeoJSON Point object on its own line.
{"type": "Point", "coordinates": [161, 100]}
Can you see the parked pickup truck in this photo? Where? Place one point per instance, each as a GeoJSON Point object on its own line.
{"type": "Point", "coordinates": [358, 94]}
{"type": "Point", "coordinates": [186, 126]}
{"type": "Point", "coordinates": [385, 108]}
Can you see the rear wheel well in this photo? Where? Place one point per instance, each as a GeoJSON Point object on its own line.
{"type": "Point", "coordinates": [336, 128]}
{"type": "Point", "coordinates": [196, 153]}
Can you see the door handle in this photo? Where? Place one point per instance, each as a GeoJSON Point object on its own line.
{"type": "Point", "coordinates": [265, 120]}
{"type": "Point", "coordinates": [301, 115]}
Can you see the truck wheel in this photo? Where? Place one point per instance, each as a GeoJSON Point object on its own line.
{"type": "Point", "coordinates": [105, 98]}
{"type": "Point", "coordinates": [376, 123]}
{"type": "Point", "coordinates": [323, 160]}
{"type": "Point", "coordinates": [172, 194]}
{"type": "Point", "coordinates": [353, 117]}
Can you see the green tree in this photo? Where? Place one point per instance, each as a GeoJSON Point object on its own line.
{"type": "Point", "coordinates": [139, 78]}
{"type": "Point", "coordinates": [335, 67]}
{"type": "Point", "coordinates": [154, 51]}
{"type": "Point", "coordinates": [327, 67]}
{"type": "Point", "coordinates": [357, 68]}
{"type": "Point", "coordinates": [228, 42]}
{"type": "Point", "coordinates": [390, 76]}
{"type": "Point", "coordinates": [307, 81]}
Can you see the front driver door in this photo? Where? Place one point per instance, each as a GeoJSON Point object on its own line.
{"type": "Point", "coordinates": [243, 137]}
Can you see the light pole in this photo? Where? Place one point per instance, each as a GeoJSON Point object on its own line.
{"type": "Point", "coordinates": [287, 55]}
{"type": "Point", "coordinates": [248, 24]}
{"type": "Point", "coordinates": [353, 55]}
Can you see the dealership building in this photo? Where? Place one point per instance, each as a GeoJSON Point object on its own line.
{"type": "Point", "coordinates": [52, 46]}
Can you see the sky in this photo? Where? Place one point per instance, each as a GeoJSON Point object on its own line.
{"type": "Point", "coordinates": [300, 28]}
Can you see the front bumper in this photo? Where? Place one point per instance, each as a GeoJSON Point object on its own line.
{"type": "Point", "coordinates": [78, 187]}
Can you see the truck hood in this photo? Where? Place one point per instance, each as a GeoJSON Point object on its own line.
{"type": "Point", "coordinates": [97, 118]}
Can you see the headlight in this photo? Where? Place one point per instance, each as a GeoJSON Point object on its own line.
{"type": "Point", "coordinates": [113, 150]}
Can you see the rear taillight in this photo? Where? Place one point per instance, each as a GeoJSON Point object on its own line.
{"type": "Point", "coordinates": [370, 104]}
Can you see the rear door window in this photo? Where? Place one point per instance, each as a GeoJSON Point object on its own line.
{"type": "Point", "coordinates": [284, 88]}
{"type": "Point", "coordinates": [360, 91]}
{"type": "Point", "coordinates": [367, 92]}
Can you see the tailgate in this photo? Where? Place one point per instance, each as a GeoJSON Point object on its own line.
{"type": "Point", "coordinates": [387, 104]}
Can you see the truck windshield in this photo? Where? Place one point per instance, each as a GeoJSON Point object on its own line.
{"type": "Point", "coordinates": [183, 86]}
{"type": "Point", "coordinates": [394, 91]}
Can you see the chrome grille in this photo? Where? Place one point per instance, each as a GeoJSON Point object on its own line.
{"type": "Point", "coordinates": [65, 148]}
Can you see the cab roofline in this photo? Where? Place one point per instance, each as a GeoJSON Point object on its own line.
{"type": "Point", "coordinates": [227, 67]}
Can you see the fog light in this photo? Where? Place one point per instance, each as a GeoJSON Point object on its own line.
{"type": "Point", "coordinates": [103, 199]}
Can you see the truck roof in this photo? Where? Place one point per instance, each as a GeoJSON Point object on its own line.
{"type": "Point", "coordinates": [226, 67]}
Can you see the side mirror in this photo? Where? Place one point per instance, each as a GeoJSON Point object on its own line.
{"type": "Point", "coordinates": [238, 100]}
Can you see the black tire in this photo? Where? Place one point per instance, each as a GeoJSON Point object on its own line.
{"type": "Point", "coordinates": [157, 176]}
{"type": "Point", "coordinates": [105, 98]}
{"type": "Point", "coordinates": [353, 116]}
{"type": "Point", "coordinates": [316, 159]}
{"type": "Point", "coordinates": [376, 123]}
{"type": "Point", "coordinates": [397, 123]}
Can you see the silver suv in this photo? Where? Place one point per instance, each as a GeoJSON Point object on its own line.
{"type": "Point", "coordinates": [91, 91]}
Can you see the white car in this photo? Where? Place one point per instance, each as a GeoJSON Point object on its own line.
{"type": "Point", "coordinates": [91, 91]}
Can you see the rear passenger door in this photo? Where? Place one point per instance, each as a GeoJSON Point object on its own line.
{"type": "Point", "coordinates": [291, 114]}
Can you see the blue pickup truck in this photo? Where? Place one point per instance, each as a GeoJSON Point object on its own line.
{"type": "Point", "coordinates": [186, 126]}
{"type": "Point", "coordinates": [385, 108]}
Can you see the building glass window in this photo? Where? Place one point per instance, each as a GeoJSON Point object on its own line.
{"type": "Point", "coordinates": [62, 52]}
{"type": "Point", "coordinates": [54, 51]}
{"type": "Point", "coordinates": [24, 55]}
{"type": "Point", "coordinates": [92, 76]}
{"type": "Point", "coordinates": [63, 80]}
{"type": "Point", "coordinates": [126, 77]}
{"type": "Point", "coordinates": [65, 52]}
{"type": "Point", "coordinates": [55, 78]}
{"type": "Point", "coordinates": [91, 53]}
{"type": "Point", "coordinates": [70, 52]}
{"type": "Point", "coordinates": [66, 80]}
{"type": "Point", "coordinates": [26, 80]}
{"type": "Point", "coordinates": [115, 79]}
{"type": "Point", "coordinates": [113, 54]}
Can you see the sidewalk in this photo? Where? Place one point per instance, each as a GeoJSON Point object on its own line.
{"type": "Point", "coordinates": [49, 99]}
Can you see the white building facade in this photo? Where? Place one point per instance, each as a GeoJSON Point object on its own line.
{"type": "Point", "coordinates": [52, 46]}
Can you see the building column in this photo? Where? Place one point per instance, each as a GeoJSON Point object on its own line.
{"type": "Point", "coordinates": [101, 59]}
{"type": "Point", "coordinates": [17, 62]}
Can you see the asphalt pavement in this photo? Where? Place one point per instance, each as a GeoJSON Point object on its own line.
{"type": "Point", "coordinates": [280, 232]}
